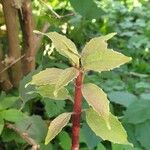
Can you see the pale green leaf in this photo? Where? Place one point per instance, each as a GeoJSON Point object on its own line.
{"type": "Point", "coordinates": [108, 36]}
{"type": "Point", "coordinates": [57, 125]}
{"type": "Point", "coordinates": [48, 91]}
{"type": "Point", "coordinates": [116, 134]}
{"type": "Point", "coordinates": [64, 46]}
{"type": "Point", "coordinates": [65, 77]}
{"type": "Point", "coordinates": [96, 56]}
{"type": "Point", "coordinates": [96, 98]}
{"type": "Point", "coordinates": [47, 76]}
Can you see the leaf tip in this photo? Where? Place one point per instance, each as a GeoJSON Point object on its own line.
{"type": "Point", "coordinates": [26, 85]}
{"type": "Point", "coordinates": [46, 142]}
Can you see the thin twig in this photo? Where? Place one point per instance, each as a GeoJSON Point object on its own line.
{"type": "Point", "coordinates": [55, 14]}
{"type": "Point", "coordinates": [15, 61]}
{"type": "Point", "coordinates": [24, 136]}
{"type": "Point", "coordinates": [38, 38]}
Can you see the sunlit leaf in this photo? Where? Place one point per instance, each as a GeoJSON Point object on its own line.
{"type": "Point", "coordinates": [47, 76]}
{"type": "Point", "coordinates": [96, 56]}
{"type": "Point", "coordinates": [108, 36]}
{"type": "Point", "coordinates": [96, 98]}
{"type": "Point", "coordinates": [48, 91]}
{"type": "Point", "coordinates": [116, 134]}
{"type": "Point", "coordinates": [65, 77]}
{"type": "Point", "coordinates": [64, 46]}
{"type": "Point", "coordinates": [57, 125]}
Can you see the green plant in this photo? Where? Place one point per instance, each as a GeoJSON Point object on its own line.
{"type": "Point", "coordinates": [51, 83]}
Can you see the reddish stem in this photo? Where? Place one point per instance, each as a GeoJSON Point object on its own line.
{"type": "Point", "coordinates": [77, 112]}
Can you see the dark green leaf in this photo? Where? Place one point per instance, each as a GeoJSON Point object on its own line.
{"type": "Point", "coordinates": [137, 112]}
{"type": "Point", "coordinates": [89, 137]}
{"type": "Point", "coordinates": [122, 97]}
{"type": "Point", "coordinates": [87, 8]}
{"type": "Point", "coordinates": [34, 126]}
{"type": "Point", "coordinates": [142, 133]}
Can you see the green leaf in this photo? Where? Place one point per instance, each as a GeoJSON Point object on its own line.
{"type": "Point", "coordinates": [64, 140]}
{"type": "Point", "coordinates": [34, 126]}
{"type": "Point", "coordinates": [65, 77]}
{"type": "Point", "coordinates": [100, 147]}
{"type": "Point", "coordinates": [47, 76]}
{"type": "Point", "coordinates": [57, 125]}
{"type": "Point", "coordinates": [9, 135]}
{"type": "Point", "coordinates": [7, 102]}
{"type": "Point", "coordinates": [137, 112]}
{"type": "Point", "coordinates": [122, 97]}
{"type": "Point", "coordinates": [145, 96]}
{"type": "Point", "coordinates": [116, 134]}
{"type": "Point", "coordinates": [87, 136]}
{"type": "Point", "coordinates": [53, 107]}
{"type": "Point", "coordinates": [142, 133]}
{"type": "Point", "coordinates": [85, 7]}
{"type": "Point", "coordinates": [142, 85]}
{"type": "Point", "coordinates": [1, 125]}
{"type": "Point", "coordinates": [96, 56]}
{"type": "Point", "coordinates": [96, 98]}
{"type": "Point", "coordinates": [24, 91]}
{"type": "Point", "coordinates": [64, 46]}
{"type": "Point", "coordinates": [123, 147]}
{"type": "Point", "coordinates": [48, 91]}
{"type": "Point", "coordinates": [12, 115]}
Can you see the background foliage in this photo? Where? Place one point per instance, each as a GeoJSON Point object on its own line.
{"type": "Point", "coordinates": [128, 87]}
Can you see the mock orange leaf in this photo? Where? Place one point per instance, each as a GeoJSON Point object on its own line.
{"type": "Point", "coordinates": [57, 125]}
{"type": "Point", "coordinates": [96, 56]}
{"type": "Point", "coordinates": [48, 91]}
{"type": "Point", "coordinates": [47, 76]}
{"type": "Point", "coordinates": [96, 98]}
{"type": "Point", "coordinates": [116, 134]}
{"type": "Point", "coordinates": [65, 77]}
{"type": "Point", "coordinates": [64, 46]}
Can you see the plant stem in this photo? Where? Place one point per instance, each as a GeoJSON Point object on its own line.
{"type": "Point", "coordinates": [77, 112]}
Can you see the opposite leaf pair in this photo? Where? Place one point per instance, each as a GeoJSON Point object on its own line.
{"type": "Point", "coordinates": [97, 57]}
